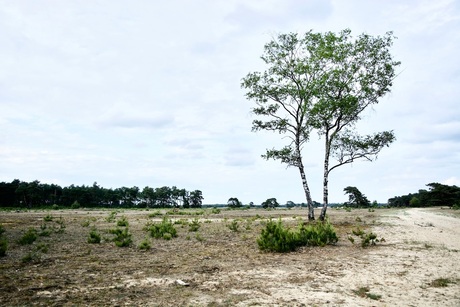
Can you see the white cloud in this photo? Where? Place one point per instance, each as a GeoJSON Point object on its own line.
{"type": "Point", "coordinates": [148, 93]}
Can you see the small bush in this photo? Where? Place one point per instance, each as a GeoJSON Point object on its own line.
{"type": "Point", "coordinates": [55, 207]}
{"type": "Point", "coordinates": [364, 292]}
{"type": "Point", "coordinates": [45, 231]}
{"type": "Point", "coordinates": [215, 210]}
{"type": "Point", "coordinates": [158, 230]}
{"type": "Point", "coordinates": [167, 236]}
{"type": "Point", "coordinates": [145, 244]}
{"type": "Point", "coordinates": [233, 226]}
{"type": "Point", "coordinates": [441, 282]}
{"type": "Point", "coordinates": [111, 217]}
{"type": "Point", "coordinates": [194, 226]}
{"type": "Point", "coordinates": [367, 239]}
{"type": "Point", "coordinates": [122, 222]}
{"type": "Point", "coordinates": [94, 237]}
{"type": "Point", "coordinates": [75, 205]}
{"type": "Point", "coordinates": [61, 224]}
{"type": "Point", "coordinates": [48, 218]}
{"type": "Point", "coordinates": [28, 237]}
{"type": "Point", "coordinates": [275, 237]}
{"type": "Point", "coordinates": [31, 257]}
{"type": "Point", "coordinates": [155, 214]}
{"type": "Point", "coordinates": [3, 246]}
{"type": "Point", "coordinates": [42, 247]}
{"type": "Point", "coordinates": [122, 237]}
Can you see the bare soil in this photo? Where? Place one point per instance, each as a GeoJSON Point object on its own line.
{"type": "Point", "coordinates": [417, 264]}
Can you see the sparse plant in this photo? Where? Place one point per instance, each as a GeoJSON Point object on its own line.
{"type": "Point", "coordinates": [367, 239]}
{"type": "Point", "coordinates": [2, 229]}
{"type": "Point", "coordinates": [234, 226]}
{"type": "Point", "coordinates": [167, 236]}
{"type": "Point", "coordinates": [85, 223]}
{"type": "Point", "coordinates": [122, 237]}
{"type": "Point", "coordinates": [145, 244]}
{"type": "Point", "coordinates": [42, 247]}
{"type": "Point", "coordinates": [75, 205]}
{"type": "Point", "coordinates": [194, 226]}
{"type": "Point", "coordinates": [61, 223]}
{"type": "Point", "coordinates": [215, 210]}
{"type": "Point", "coordinates": [199, 237]}
{"type": "Point", "coordinates": [441, 282]}
{"type": "Point", "coordinates": [358, 219]}
{"type": "Point", "coordinates": [364, 292]}
{"type": "Point", "coordinates": [155, 214]}
{"type": "Point", "coordinates": [157, 230]}
{"type": "Point", "coordinates": [111, 217]}
{"type": "Point", "coordinates": [31, 257]}
{"type": "Point", "coordinates": [275, 237]}
{"type": "Point", "coordinates": [48, 218]}
{"type": "Point", "coordinates": [45, 231]}
{"type": "Point", "coordinates": [122, 222]}
{"type": "Point", "coordinates": [94, 237]}
{"type": "Point", "coordinates": [28, 237]}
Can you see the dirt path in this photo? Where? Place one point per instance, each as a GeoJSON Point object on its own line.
{"type": "Point", "coordinates": [421, 247]}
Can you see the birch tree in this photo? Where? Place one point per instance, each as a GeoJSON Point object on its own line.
{"type": "Point", "coordinates": [321, 82]}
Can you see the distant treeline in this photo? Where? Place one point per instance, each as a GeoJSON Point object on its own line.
{"type": "Point", "coordinates": [36, 194]}
{"type": "Point", "coordinates": [437, 195]}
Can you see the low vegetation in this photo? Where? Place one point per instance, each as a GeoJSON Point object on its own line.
{"type": "Point", "coordinates": [278, 238]}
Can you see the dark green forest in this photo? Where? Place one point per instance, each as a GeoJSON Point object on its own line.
{"type": "Point", "coordinates": [437, 195]}
{"type": "Point", "coordinates": [35, 194]}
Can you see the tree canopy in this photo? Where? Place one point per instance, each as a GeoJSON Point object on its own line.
{"type": "Point", "coordinates": [36, 194]}
{"type": "Point", "coordinates": [437, 195]}
{"type": "Point", "coordinates": [322, 82]}
{"type": "Point", "coordinates": [356, 198]}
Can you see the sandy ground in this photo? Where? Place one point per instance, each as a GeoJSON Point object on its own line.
{"type": "Point", "coordinates": [221, 267]}
{"type": "Point", "coordinates": [421, 246]}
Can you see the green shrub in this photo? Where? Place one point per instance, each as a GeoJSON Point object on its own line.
{"type": "Point", "coordinates": [28, 237]}
{"type": "Point", "coordinates": [75, 205]}
{"type": "Point", "coordinates": [61, 223]}
{"type": "Point", "coordinates": [48, 218]}
{"type": "Point", "coordinates": [215, 210]}
{"type": "Point", "coordinates": [42, 247]}
{"type": "Point", "coordinates": [317, 234]}
{"type": "Point", "coordinates": [111, 217]}
{"type": "Point", "coordinates": [122, 237]}
{"type": "Point", "coordinates": [234, 226]}
{"type": "Point", "coordinates": [158, 230]}
{"type": "Point", "coordinates": [145, 244]}
{"type": "Point", "coordinates": [122, 222]}
{"type": "Point", "coordinates": [155, 214]}
{"type": "Point", "coordinates": [94, 237]}
{"type": "Point", "coordinates": [45, 232]}
{"type": "Point", "coordinates": [275, 237]}
{"type": "Point", "coordinates": [31, 257]}
{"type": "Point", "coordinates": [3, 246]}
{"type": "Point", "coordinates": [367, 239]}
{"type": "Point", "coordinates": [194, 226]}
{"type": "Point", "coordinates": [2, 229]}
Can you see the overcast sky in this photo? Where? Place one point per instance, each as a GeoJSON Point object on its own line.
{"type": "Point", "coordinates": [147, 93]}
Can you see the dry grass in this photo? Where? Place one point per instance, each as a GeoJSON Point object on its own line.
{"type": "Point", "coordinates": [221, 266]}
